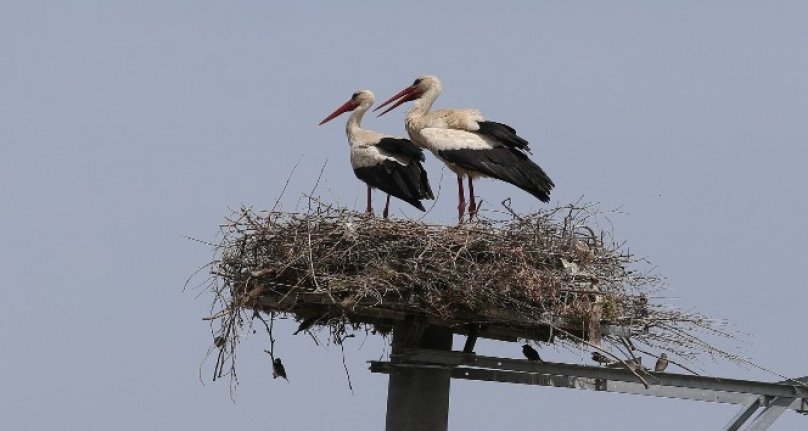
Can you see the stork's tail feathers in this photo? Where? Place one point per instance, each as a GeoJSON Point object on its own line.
{"type": "Point", "coordinates": [419, 190]}
{"type": "Point", "coordinates": [425, 188]}
{"type": "Point", "coordinates": [505, 164]}
{"type": "Point", "coordinates": [415, 203]}
{"type": "Point", "coordinates": [406, 182]}
{"type": "Point", "coordinates": [538, 183]}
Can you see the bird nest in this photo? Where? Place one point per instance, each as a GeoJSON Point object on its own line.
{"type": "Point", "coordinates": [547, 276]}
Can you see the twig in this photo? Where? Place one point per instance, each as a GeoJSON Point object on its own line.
{"type": "Point", "coordinates": [285, 185]}
{"type": "Point", "coordinates": [345, 366]}
{"type": "Point", "coordinates": [218, 315]}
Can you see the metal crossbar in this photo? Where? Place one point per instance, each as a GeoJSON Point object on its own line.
{"type": "Point", "coordinates": [774, 398]}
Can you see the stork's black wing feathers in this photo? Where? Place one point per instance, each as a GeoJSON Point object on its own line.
{"type": "Point", "coordinates": [506, 164]}
{"type": "Point", "coordinates": [502, 133]}
{"type": "Point", "coordinates": [401, 147]}
{"type": "Point", "coordinates": [408, 183]}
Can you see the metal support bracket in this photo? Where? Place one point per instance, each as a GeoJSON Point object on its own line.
{"type": "Point", "coordinates": [742, 416]}
{"type": "Point", "coordinates": [773, 397]}
{"type": "Point", "coordinates": [770, 413]}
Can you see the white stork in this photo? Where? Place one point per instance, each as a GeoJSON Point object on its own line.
{"type": "Point", "coordinates": [469, 144]}
{"type": "Point", "coordinates": [392, 165]}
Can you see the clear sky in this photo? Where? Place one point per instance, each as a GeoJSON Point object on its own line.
{"type": "Point", "coordinates": [125, 125]}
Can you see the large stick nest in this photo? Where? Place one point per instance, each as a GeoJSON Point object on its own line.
{"type": "Point", "coordinates": [543, 276]}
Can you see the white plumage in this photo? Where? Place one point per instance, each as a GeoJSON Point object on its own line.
{"type": "Point", "coordinates": [469, 144]}
{"type": "Point", "coordinates": [453, 139]}
{"type": "Point", "coordinates": [390, 164]}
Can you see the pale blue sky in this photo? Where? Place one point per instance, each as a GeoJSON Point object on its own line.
{"type": "Point", "coordinates": [124, 125]}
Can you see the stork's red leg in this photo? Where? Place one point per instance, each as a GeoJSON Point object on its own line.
{"type": "Point", "coordinates": [369, 209]}
{"type": "Point", "coordinates": [461, 203]}
{"type": "Point", "coordinates": [386, 207]}
{"type": "Point", "coordinates": [473, 201]}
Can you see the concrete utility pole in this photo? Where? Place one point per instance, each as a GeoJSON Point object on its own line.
{"type": "Point", "coordinates": [418, 397]}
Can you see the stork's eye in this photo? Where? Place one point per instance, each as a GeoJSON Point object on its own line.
{"type": "Point", "coordinates": [417, 81]}
{"type": "Point", "coordinates": [355, 95]}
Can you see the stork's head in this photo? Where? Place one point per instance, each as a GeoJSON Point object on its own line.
{"type": "Point", "coordinates": [362, 98]}
{"type": "Point", "coordinates": [421, 85]}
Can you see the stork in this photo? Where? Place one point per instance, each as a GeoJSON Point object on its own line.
{"type": "Point", "coordinates": [392, 165]}
{"type": "Point", "coordinates": [469, 144]}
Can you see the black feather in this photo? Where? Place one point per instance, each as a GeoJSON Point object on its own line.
{"type": "Point", "coordinates": [530, 353]}
{"type": "Point", "coordinates": [278, 369]}
{"type": "Point", "coordinates": [600, 358]}
{"type": "Point", "coordinates": [506, 164]}
{"type": "Point", "coordinates": [503, 134]}
{"type": "Point", "coordinates": [408, 183]}
{"type": "Point", "coordinates": [401, 147]}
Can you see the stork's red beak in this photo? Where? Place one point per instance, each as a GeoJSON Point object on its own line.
{"type": "Point", "coordinates": [405, 95]}
{"type": "Point", "coordinates": [347, 106]}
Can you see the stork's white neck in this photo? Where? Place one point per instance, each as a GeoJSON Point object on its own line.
{"type": "Point", "coordinates": [417, 116]}
{"type": "Point", "coordinates": [354, 125]}
{"type": "Point", "coordinates": [423, 104]}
